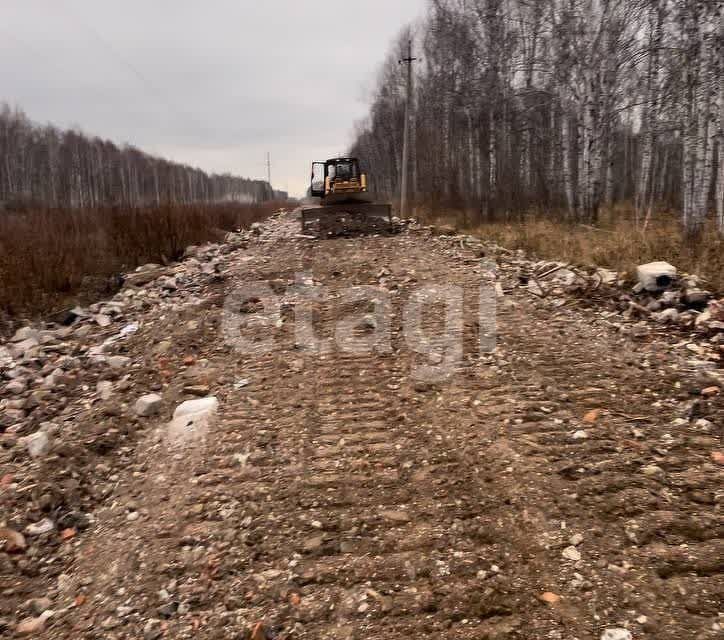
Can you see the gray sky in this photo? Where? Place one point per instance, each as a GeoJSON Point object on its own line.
{"type": "Point", "coordinates": [214, 84]}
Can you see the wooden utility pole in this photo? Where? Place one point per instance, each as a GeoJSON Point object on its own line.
{"type": "Point", "coordinates": [268, 167]}
{"type": "Point", "coordinates": [406, 136]}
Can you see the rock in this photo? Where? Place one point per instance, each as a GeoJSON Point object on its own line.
{"type": "Point", "coordinates": [19, 349]}
{"type": "Point", "coordinates": [13, 541]}
{"type": "Point", "coordinates": [652, 470]}
{"type": "Point", "coordinates": [35, 399]}
{"type": "Point", "coordinates": [145, 274]}
{"type": "Point", "coordinates": [396, 516]}
{"type": "Point", "coordinates": [163, 347]}
{"type": "Point", "coordinates": [32, 626]}
{"type": "Point", "coordinates": [148, 405]}
{"type": "Point", "coordinates": [25, 333]}
{"type": "Point", "coordinates": [667, 316]}
{"type": "Point", "coordinates": [37, 444]}
{"type": "Point", "coordinates": [576, 539]}
{"type": "Point", "coordinates": [152, 630]}
{"type": "Point", "coordinates": [119, 362]}
{"type": "Point", "coordinates": [104, 389]}
{"type": "Point", "coordinates": [696, 297]}
{"type": "Point", "coordinates": [580, 435]}
{"type": "Point", "coordinates": [6, 357]}
{"type": "Point", "coordinates": [191, 419]}
{"type": "Point", "coordinates": [550, 597]}
{"type": "Point", "coordinates": [39, 606]}
{"type": "Point", "coordinates": [571, 553]}
{"type": "Point", "coordinates": [199, 390]}
{"type": "Point", "coordinates": [168, 283]}
{"type": "Point", "coordinates": [129, 329]}
{"type": "Point", "coordinates": [46, 525]}
{"type": "Point", "coordinates": [16, 387]}
{"type": "Point", "coordinates": [656, 276]}
{"type": "Point", "coordinates": [616, 634]}
{"type": "Point", "coordinates": [102, 320]}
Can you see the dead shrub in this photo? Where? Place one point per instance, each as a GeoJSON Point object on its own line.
{"type": "Point", "coordinates": [51, 257]}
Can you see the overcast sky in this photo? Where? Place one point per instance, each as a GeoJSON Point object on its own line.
{"type": "Point", "coordinates": [214, 84]}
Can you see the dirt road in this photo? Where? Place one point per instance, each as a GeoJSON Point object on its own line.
{"type": "Point", "coordinates": [565, 484]}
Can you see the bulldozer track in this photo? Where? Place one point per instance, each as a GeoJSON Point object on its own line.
{"type": "Point", "coordinates": [336, 496]}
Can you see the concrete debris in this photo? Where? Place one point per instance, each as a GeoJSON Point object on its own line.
{"type": "Point", "coordinates": [148, 405]}
{"type": "Point", "coordinates": [102, 320]}
{"type": "Point", "coordinates": [119, 362]}
{"type": "Point", "coordinates": [299, 495]}
{"type": "Point", "coordinates": [46, 525]}
{"type": "Point", "coordinates": [571, 553]}
{"type": "Point", "coordinates": [656, 276]}
{"type": "Point", "coordinates": [33, 626]}
{"type": "Point", "coordinates": [191, 420]}
{"type": "Point", "coordinates": [38, 444]}
{"type": "Point", "coordinates": [104, 388]}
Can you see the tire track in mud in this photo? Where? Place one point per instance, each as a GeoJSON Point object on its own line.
{"type": "Point", "coordinates": [338, 496]}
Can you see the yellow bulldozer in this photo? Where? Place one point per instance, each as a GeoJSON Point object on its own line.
{"type": "Point", "coordinates": [343, 203]}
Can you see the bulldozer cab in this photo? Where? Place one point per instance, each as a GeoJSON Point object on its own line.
{"type": "Point", "coordinates": [336, 170]}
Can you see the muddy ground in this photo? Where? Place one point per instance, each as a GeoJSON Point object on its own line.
{"type": "Point", "coordinates": [565, 483]}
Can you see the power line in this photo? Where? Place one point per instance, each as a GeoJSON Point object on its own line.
{"type": "Point", "coordinates": [148, 85]}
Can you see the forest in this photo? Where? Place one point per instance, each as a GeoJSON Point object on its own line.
{"type": "Point", "coordinates": [43, 166]}
{"type": "Point", "coordinates": [567, 106]}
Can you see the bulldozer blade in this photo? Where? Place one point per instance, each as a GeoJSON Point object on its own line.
{"type": "Point", "coordinates": [350, 218]}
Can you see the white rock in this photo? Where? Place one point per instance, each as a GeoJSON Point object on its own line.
{"type": "Point", "coordinates": [148, 405]}
{"type": "Point", "coordinates": [652, 470]}
{"type": "Point", "coordinates": [6, 357]}
{"type": "Point", "coordinates": [33, 626]}
{"type": "Point", "coordinates": [571, 553]}
{"type": "Point", "coordinates": [119, 362]}
{"type": "Point", "coordinates": [37, 444]}
{"type": "Point", "coordinates": [191, 419]}
{"type": "Point", "coordinates": [102, 320]}
{"type": "Point", "coordinates": [104, 389]}
{"type": "Point", "coordinates": [656, 276]}
{"type": "Point", "coordinates": [616, 634]}
{"type": "Point", "coordinates": [580, 435]}
{"type": "Point", "coordinates": [129, 329]}
{"type": "Point", "coordinates": [46, 525]}
{"type": "Point", "coordinates": [667, 316]}
{"type": "Point", "coordinates": [576, 539]}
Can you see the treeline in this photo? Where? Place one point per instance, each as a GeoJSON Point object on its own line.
{"type": "Point", "coordinates": [43, 165]}
{"type": "Point", "coordinates": [565, 104]}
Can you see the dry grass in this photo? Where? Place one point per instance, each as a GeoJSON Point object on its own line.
{"type": "Point", "coordinates": [616, 243]}
{"type": "Point", "coordinates": [51, 258]}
